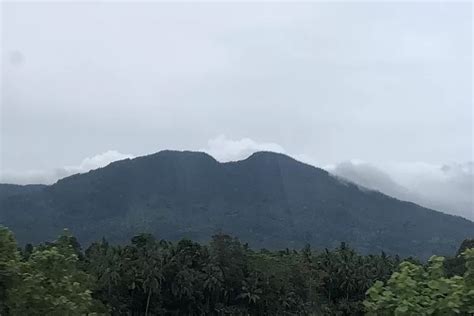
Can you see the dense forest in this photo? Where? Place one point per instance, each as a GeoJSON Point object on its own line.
{"type": "Point", "coordinates": [225, 277]}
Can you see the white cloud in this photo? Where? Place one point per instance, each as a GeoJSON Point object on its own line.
{"type": "Point", "coordinates": [225, 149]}
{"type": "Point", "coordinates": [369, 176]}
{"type": "Point", "coordinates": [97, 161]}
{"type": "Point", "coordinates": [448, 188]}
{"type": "Point", "coordinates": [52, 175]}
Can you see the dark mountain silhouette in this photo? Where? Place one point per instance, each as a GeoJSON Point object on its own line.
{"type": "Point", "coordinates": [268, 199]}
{"type": "Point", "coordinates": [7, 190]}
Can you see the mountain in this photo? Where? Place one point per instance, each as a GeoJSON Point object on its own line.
{"type": "Point", "coordinates": [7, 190]}
{"type": "Point", "coordinates": [268, 199]}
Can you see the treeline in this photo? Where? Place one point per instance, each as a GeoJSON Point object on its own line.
{"type": "Point", "coordinates": [225, 277]}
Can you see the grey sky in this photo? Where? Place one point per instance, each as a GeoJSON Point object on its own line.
{"type": "Point", "coordinates": [327, 82]}
{"type": "Point", "coordinates": [333, 81]}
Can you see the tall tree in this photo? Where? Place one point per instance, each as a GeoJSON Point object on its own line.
{"type": "Point", "coordinates": [9, 263]}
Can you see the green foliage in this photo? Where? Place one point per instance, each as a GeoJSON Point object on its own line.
{"type": "Point", "coordinates": [225, 277]}
{"type": "Point", "coordinates": [48, 283]}
{"type": "Point", "coordinates": [457, 264]}
{"type": "Point", "coordinates": [416, 290]}
{"type": "Point", "coordinates": [9, 262]}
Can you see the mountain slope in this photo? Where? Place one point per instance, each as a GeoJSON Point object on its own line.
{"type": "Point", "coordinates": [268, 199]}
{"type": "Point", "coordinates": [7, 190]}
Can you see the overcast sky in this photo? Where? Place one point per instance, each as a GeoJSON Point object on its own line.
{"type": "Point", "coordinates": [386, 84]}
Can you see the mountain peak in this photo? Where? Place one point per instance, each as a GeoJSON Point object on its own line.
{"type": "Point", "coordinates": [181, 154]}
{"type": "Point", "coordinates": [265, 153]}
{"type": "Point", "coordinates": [269, 156]}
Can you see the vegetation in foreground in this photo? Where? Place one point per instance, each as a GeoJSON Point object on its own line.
{"type": "Point", "coordinates": [151, 277]}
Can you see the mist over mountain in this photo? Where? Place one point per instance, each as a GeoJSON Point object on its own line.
{"type": "Point", "coordinates": [50, 176]}
{"type": "Point", "coordinates": [270, 200]}
{"type": "Point", "coordinates": [448, 188]}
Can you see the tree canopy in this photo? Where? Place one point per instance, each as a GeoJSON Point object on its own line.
{"type": "Point", "coordinates": [225, 277]}
{"type": "Point", "coordinates": [418, 290]}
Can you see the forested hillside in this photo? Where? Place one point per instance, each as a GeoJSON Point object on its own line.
{"type": "Point", "coordinates": [7, 190]}
{"type": "Point", "coordinates": [269, 200]}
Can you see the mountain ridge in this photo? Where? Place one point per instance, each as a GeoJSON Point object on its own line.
{"type": "Point", "coordinates": [269, 199]}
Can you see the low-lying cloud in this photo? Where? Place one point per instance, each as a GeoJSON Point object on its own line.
{"type": "Point", "coordinates": [52, 175]}
{"type": "Point", "coordinates": [226, 149]}
{"type": "Point", "coordinates": [448, 188]}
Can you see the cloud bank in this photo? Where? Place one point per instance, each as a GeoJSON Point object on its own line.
{"type": "Point", "coordinates": [448, 187]}
{"type": "Point", "coordinates": [226, 149]}
{"type": "Point", "coordinates": [52, 175]}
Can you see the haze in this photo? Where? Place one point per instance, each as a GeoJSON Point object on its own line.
{"type": "Point", "coordinates": [388, 86]}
